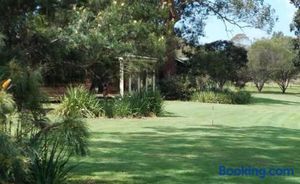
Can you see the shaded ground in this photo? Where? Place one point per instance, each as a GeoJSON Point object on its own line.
{"type": "Point", "coordinates": [184, 147]}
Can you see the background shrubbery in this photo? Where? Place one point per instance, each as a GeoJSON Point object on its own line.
{"type": "Point", "coordinates": [176, 88]}
{"type": "Point", "coordinates": [222, 97]}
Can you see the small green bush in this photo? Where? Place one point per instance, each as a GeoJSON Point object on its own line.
{"type": "Point", "coordinates": [212, 97]}
{"type": "Point", "coordinates": [145, 103]}
{"type": "Point", "coordinates": [139, 104]}
{"type": "Point", "coordinates": [13, 165]}
{"type": "Point", "coordinates": [241, 97]}
{"type": "Point", "coordinates": [78, 101]}
{"type": "Point", "coordinates": [121, 108]}
{"type": "Point", "coordinates": [222, 97]}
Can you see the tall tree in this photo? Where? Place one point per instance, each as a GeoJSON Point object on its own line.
{"type": "Point", "coordinates": [69, 37]}
{"type": "Point", "coordinates": [262, 56]}
{"type": "Point", "coordinates": [189, 18]}
{"type": "Point", "coordinates": [273, 59]}
{"type": "Point", "coordinates": [192, 16]}
{"type": "Point", "coordinates": [284, 69]}
{"type": "Point", "coordinates": [220, 60]}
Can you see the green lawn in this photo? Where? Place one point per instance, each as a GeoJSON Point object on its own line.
{"type": "Point", "coordinates": [188, 144]}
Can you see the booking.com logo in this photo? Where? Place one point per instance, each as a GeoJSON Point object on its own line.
{"type": "Point", "coordinates": [261, 172]}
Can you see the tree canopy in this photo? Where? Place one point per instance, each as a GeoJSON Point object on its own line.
{"type": "Point", "coordinates": [69, 37]}
{"type": "Point", "coordinates": [192, 16]}
{"type": "Point", "coordinates": [272, 59]}
{"type": "Point", "coordinates": [220, 60]}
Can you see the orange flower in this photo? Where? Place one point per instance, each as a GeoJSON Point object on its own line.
{"type": "Point", "coordinates": [6, 84]}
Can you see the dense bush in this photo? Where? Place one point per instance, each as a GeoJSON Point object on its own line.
{"type": "Point", "coordinates": [241, 97]}
{"type": "Point", "coordinates": [26, 87]}
{"type": "Point", "coordinates": [121, 108]}
{"type": "Point", "coordinates": [38, 150]}
{"type": "Point", "coordinates": [78, 101]}
{"type": "Point", "coordinates": [222, 97]}
{"type": "Point", "coordinates": [212, 97]}
{"type": "Point", "coordinates": [139, 104]}
{"type": "Point", "coordinates": [145, 103]}
{"type": "Point", "coordinates": [176, 88]}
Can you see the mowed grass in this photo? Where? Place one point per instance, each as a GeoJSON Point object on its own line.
{"type": "Point", "coordinates": [193, 139]}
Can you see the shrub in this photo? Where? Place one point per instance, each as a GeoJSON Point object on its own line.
{"type": "Point", "coordinates": [222, 97]}
{"type": "Point", "coordinates": [50, 163]}
{"type": "Point", "coordinates": [212, 97]}
{"type": "Point", "coordinates": [121, 108]}
{"type": "Point", "coordinates": [7, 104]}
{"type": "Point", "coordinates": [7, 107]}
{"type": "Point", "coordinates": [145, 103]}
{"type": "Point", "coordinates": [26, 87]}
{"type": "Point", "coordinates": [52, 148]}
{"type": "Point", "coordinates": [13, 165]}
{"type": "Point", "coordinates": [78, 101]}
{"type": "Point", "coordinates": [176, 88]}
{"type": "Point", "coordinates": [241, 97]}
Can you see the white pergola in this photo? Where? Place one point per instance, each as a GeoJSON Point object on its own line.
{"type": "Point", "coordinates": [149, 72]}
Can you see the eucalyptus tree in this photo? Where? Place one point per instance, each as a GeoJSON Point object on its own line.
{"type": "Point", "coordinates": [262, 56]}
{"type": "Point", "coordinates": [188, 18]}
{"type": "Point", "coordinates": [285, 68]}
{"type": "Point", "coordinates": [273, 59]}
{"type": "Point", "coordinates": [220, 60]}
{"type": "Point", "coordinates": [192, 16]}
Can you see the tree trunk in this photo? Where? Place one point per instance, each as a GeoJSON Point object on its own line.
{"type": "Point", "coordinates": [169, 68]}
{"type": "Point", "coordinates": [221, 85]}
{"type": "Point", "coordinates": [259, 86]}
{"type": "Point", "coordinates": [284, 84]}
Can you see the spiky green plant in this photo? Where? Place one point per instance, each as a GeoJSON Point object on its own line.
{"type": "Point", "coordinates": [78, 101]}
{"type": "Point", "coordinates": [49, 164]}
{"type": "Point", "coordinates": [52, 148]}
{"type": "Point", "coordinates": [145, 103]}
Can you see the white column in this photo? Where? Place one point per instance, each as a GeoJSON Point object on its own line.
{"type": "Point", "coordinates": [153, 81]}
{"type": "Point", "coordinates": [129, 84]}
{"type": "Point", "coordinates": [146, 82]}
{"type": "Point", "coordinates": [121, 76]}
{"type": "Point", "coordinates": [139, 82]}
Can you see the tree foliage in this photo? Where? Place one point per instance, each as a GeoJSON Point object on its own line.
{"type": "Point", "coordinates": [221, 60]}
{"type": "Point", "coordinates": [285, 69]}
{"type": "Point", "coordinates": [67, 38]}
{"type": "Point", "coordinates": [193, 15]}
{"type": "Point", "coordinates": [272, 59]}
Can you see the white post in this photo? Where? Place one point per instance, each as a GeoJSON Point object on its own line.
{"type": "Point", "coordinates": [146, 81]}
{"type": "Point", "coordinates": [139, 82]}
{"type": "Point", "coordinates": [129, 84]}
{"type": "Point", "coordinates": [153, 80]}
{"type": "Point", "coordinates": [121, 76]}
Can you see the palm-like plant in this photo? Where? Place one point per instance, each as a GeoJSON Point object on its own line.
{"type": "Point", "coordinates": [78, 101]}
{"type": "Point", "coordinates": [44, 151]}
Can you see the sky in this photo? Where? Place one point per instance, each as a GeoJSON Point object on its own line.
{"type": "Point", "coordinates": [215, 29]}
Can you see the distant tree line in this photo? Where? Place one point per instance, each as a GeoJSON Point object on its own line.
{"type": "Point", "coordinates": [212, 65]}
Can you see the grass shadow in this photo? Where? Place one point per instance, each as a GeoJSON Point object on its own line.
{"type": "Point", "coordinates": [167, 114]}
{"type": "Point", "coordinates": [188, 155]}
{"type": "Point", "coordinates": [270, 101]}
